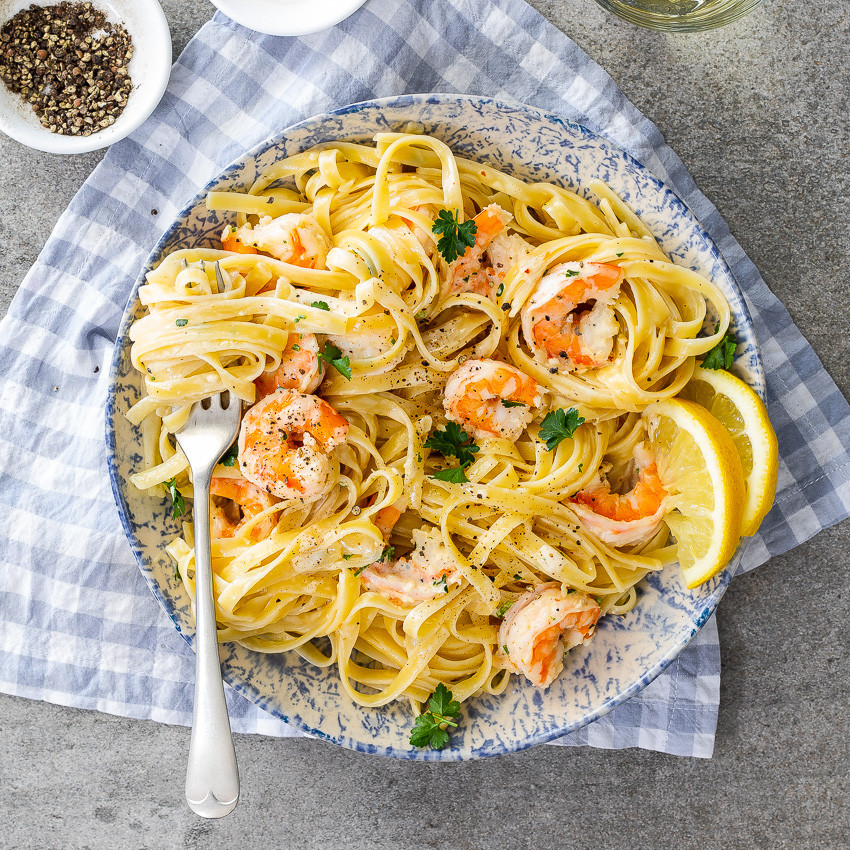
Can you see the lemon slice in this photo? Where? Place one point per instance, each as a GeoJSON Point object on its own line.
{"type": "Point", "coordinates": [699, 465]}
{"type": "Point", "coordinates": [743, 414]}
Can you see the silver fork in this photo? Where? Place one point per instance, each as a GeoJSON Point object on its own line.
{"type": "Point", "coordinates": [212, 778]}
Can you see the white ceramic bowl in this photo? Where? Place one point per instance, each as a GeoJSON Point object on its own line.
{"type": "Point", "coordinates": [149, 69]}
{"type": "Point", "coordinates": [288, 17]}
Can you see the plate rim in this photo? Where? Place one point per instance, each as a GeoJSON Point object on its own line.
{"type": "Point", "coordinates": [250, 692]}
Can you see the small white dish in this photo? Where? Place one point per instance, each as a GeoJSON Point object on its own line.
{"type": "Point", "coordinates": [149, 70]}
{"type": "Point", "coordinates": [288, 17]}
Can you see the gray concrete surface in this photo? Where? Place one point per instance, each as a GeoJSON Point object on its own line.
{"type": "Point", "coordinates": [759, 112]}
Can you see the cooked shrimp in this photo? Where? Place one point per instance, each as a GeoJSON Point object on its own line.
{"type": "Point", "coordinates": [234, 503]}
{"type": "Point", "coordinates": [476, 393]}
{"type": "Point", "coordinates": [294, 238]}
{"type": "Point", "coordinates": [469, 273]}
{"type": "Point", "coordinates": [540, 626]}
{"type": "Point", "coordinates": [300, 368]}
{"type": "Point", "coordinates": [386, 518]}
{"type": "Point", "coordinates": [285, 443]}
{"type": "Point", "coordinates": [230, 242]}
{"type": "Point", "coordinates": [623, 520]}
{"type": "Point", "coordinates": [424, 574]}
{"type": "Point", "coordinates": [569, 319]}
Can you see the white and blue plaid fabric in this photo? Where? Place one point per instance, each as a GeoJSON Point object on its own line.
{"type": "Point", "coordinates": [78, 625]}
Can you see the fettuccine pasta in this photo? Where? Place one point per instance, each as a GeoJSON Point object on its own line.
{"type": "Point", "coordinates": [443, 473]}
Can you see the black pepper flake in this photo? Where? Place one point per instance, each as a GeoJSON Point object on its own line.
{"type": "Point", "coordinates": [69, 63]}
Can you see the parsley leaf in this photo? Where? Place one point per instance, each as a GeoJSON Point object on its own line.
{"type": "Point", "coordinates": [428, 728]}
{"type": "Point", "coordinates": [442, 582]}
{"type": "Point", "coordinates": [360, 569]}
{"type": "Point", "coordinates": [454, 475]}
{"type": "Point", "coordinates": [503, 608]}
{"type": "Point", "coordinates": [181, 323]}
{"type": "Point", "coordinates": [453, 442]}
{"type": "Point", "coordinates": [321, 305]}
{"type": "Point", "coordinates": [333, 357]}
{"type": "Point", "coordinates": [723, 354]}
{"type": "Point", "coordinates": [559, 424]}
{"type": "Point", "coordinates": [230, 456]}
{"type": "Point", "coordinates": [507, 403]}
{"type": "Point", "coordinates": [388, 554]}
{"type": "Point", "coordinates": [456, 236]}
{"type": "Point", "coordinates": [179, 505]}
{"type": "Point", "coordinates": [347, 557]}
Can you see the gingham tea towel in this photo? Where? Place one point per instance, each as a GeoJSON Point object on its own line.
{"type": "Point", "coordinates": [78, 625]}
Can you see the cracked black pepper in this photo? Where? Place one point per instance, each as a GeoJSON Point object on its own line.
{"type": "Point", "coordinates": [69, 63]}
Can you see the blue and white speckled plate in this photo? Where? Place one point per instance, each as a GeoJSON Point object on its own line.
{"type": "Point", "coordinates": [627, 653]}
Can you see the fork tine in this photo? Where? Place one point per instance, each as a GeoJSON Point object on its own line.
{"type": "Point", "coordinates": [219, 278]}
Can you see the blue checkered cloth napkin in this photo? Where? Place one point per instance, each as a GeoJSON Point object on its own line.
{"type": "Point", "coordinates": [78, 625]}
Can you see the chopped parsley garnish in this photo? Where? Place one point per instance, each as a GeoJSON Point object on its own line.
{"type": "Point", "coordinates": [181, 323]}
{"type": "Point", "coordinates": [453, 442]}
{"type": "Point", "coordinates": [570, 273]}
{"type": "Point", "coordinates": [230, 456]}
{"type": "Point", "coordinates": [456, 236]}
{"type": "Point", "coordinates": [500, 290]}
{"type": "Point", "coordinates": [347, 557]}
{"type": "Point", "coordinates": [557, 425]}
{"type": "Point", "coordinates": [454, 475]}
{"type": "Point", "coordinates": [503, 608]}
{"type": "Point", "coordinates": [333, 357]}
{"type": "Point", "coordinates": [723, 354]}
{"type": "Point", "coordinates": [428, 730]}
{"type": "Point", "coordinates": [177, 577]}
{"type": "Point", "coordinates": [179, 505]}
{"type": "Point", "coordinates": [299, 317]}
{"type": "Point", "coordinates": [388, 554]}
{"type": "Point", "coordinates": [507, 403]}
{"type": "Point", "coordinates": [296, 348]}
{"type": "Point", "coordinates": [320, 305]}
{"type": "Point", "coordinates": [620, 254]}
{"type": "Point", "coordinates": [441, 582]}
{"type": "Point", "coordinates": [360, 569]}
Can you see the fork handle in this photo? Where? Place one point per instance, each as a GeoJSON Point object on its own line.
{"type": "Point", "coordinates": [212, 778]}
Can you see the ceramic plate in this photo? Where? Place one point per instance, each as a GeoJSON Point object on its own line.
{"type": "Point", "coordinates": [626, 653]}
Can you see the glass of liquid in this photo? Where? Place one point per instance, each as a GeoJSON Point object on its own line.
{"type": "Point", "coordinates": [679, 15]}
